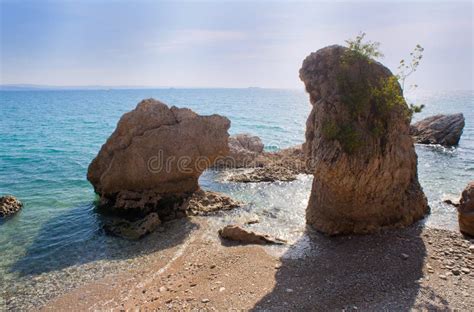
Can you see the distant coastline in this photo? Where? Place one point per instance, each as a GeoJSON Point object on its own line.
{"type": "Point", "coordinates": [34, 87]}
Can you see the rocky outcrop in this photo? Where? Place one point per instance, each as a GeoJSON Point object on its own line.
{"type": "Point", "coordinates": [445, 130]}
{"type": "Point", "coordinates": [466, 210]}
{"type": "Point", "coordinates": [132, 230]}
{"type": "Point", "coordinates": [203, 203]}
{"type": "Point", "coordinates": [283, 165]}
{"type": "Point", "coordinates": [264, 174]}
{"type": "Point", "coordinates": [9, 205]}
{"type": "Point", "coordinates": [243, 150]}
{"type": "Point", "coordinates": [155, 156]}
{"type": "Point", "coordinates": [241, 235]}
{"type": "Point", "coordinates": [357, 138]}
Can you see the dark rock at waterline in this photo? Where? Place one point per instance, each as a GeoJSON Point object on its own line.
{"type": "Point", "coordinates": [9, 205]}
{"type": "Point", "coordinates": [155, 157]}
{"type": "Point", "coordinates": [445, 130]}
{"type": "Point", "coordinates": [466, 210]}
{"type": "Point", "coordinates": [131, 230]}
{"type": "Point", "coordinates": [357, 138]}
{"type": "Point", "coordinates": [137, 223]}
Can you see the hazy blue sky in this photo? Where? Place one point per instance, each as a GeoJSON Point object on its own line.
{"type": "Point", "coordinates": [222, 44]}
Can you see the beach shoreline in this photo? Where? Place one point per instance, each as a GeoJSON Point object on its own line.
{"type": "Point", "coordinates": [416, 267]}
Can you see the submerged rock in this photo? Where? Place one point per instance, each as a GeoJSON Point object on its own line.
{"type": "Point", "coordinates": [9, 205]}
{"type": "Point", "coordinates": [357, 138]}
{"type": "Point", "coordinates": [243, 150]}
{"type": "Point", "coordinates": [132, 230]}
{"type": "Point", "coordinates": [155, 156]}
{"type": "Point", "coordinates": [466, 210]}
{"type": "Point", "coordinates": [445, 130]}
{"type": "Point", "coordinates": [239, 234]}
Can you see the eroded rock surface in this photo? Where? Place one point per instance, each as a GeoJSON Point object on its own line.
{"type": "Point", "coordinates": [466, 210]}
{"type": "Point", "coordinates": [445, 130]}
{"type": "Point", "coordinates": [155, 156]}
{"type": "Point", "coordinates": [241, 235]}
{"type": "Point", "coordinates": [207, 202]}
{"type": "Point", "coordinates": [283, 165]}
{"type": "Point", "coordinates": [263, 174]}
{"type": "Point", "coordinates": [357, 137]}
{"type": "Point", "coordinates": [132, 230]}
{"type": "Point", "coordinates": [9, 205]}
{"type": "Point", "coordinates": [243, 150]}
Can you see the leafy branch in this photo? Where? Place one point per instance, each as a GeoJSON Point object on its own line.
{"type": "Point", "coordinates": [371, 50]}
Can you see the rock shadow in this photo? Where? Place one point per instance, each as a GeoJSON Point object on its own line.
{"type": "Point", "coordinates": [77, 237]}
{"type": "Point", "coordinates": [378, 272]}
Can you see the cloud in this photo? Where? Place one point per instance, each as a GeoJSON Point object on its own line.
{"type": "Point", "coordinates": [188, 38]}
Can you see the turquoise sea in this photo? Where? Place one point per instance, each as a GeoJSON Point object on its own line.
{"type": "Point", "coordinates": [48, 138]}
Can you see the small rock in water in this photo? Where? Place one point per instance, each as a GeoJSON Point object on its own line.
{"type": "Point", "coordinates": [405, 256]}
{"type": "Point", "coordinates": [289, 290]}
{"type": "Point", "coordinates": [9, 205]}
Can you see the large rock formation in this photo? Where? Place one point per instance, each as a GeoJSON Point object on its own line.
{"type": "Point", "coordinates": [439, 129]}
{"type": "Point", "coordinates": [357, 138]}
{"type": "Point", "coordinates": [155, 157]}
{"type": "Point", "coordinates": [9, 205]}
{"type": "Point", "coordinates": [243, 150]}
{"type": "Point", "coordinates": [466, 210]}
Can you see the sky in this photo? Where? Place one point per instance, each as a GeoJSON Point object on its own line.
{"type": "Point", "coordinates": [223, 43]}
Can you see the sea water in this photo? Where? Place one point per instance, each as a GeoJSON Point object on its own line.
{"type": "Point", "coordinates": [48, 139]}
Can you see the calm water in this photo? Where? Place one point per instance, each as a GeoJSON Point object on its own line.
{"type": "Point", "coordinates": [48, 138]}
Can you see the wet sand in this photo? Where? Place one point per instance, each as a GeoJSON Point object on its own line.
{"type": "Point", "coordinates": [415, 268]}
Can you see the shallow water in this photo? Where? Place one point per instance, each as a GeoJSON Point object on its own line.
{"type": "Point", "coordinates": [48, 138]}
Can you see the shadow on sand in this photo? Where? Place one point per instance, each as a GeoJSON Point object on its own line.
{"type": "Point", "coordinates": [368, 272]}
{"type": "Point", "coordinates": [76, 237]}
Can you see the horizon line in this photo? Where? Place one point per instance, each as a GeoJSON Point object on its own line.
{"type": "Point", "coordinates": [36, 87]}
{"type": "Point", "coordinates": [26, 86]}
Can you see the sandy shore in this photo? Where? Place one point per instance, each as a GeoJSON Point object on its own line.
{"type": "Point", "coordinates": [415, 268]}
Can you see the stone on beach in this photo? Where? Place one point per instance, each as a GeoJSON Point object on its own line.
{"type": "Point", "coordinates": [466, 210]}
{"type": "Point", "coordinates": [357, 137]}
{"type": "Point", "coordinates": [9, 205]}
{"type": "Point", "coordinates": [239, 234]}
{"type": "Point", "coordinates": [155, 154]}
{"type": "Point", "coordinates": [440, 129]}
